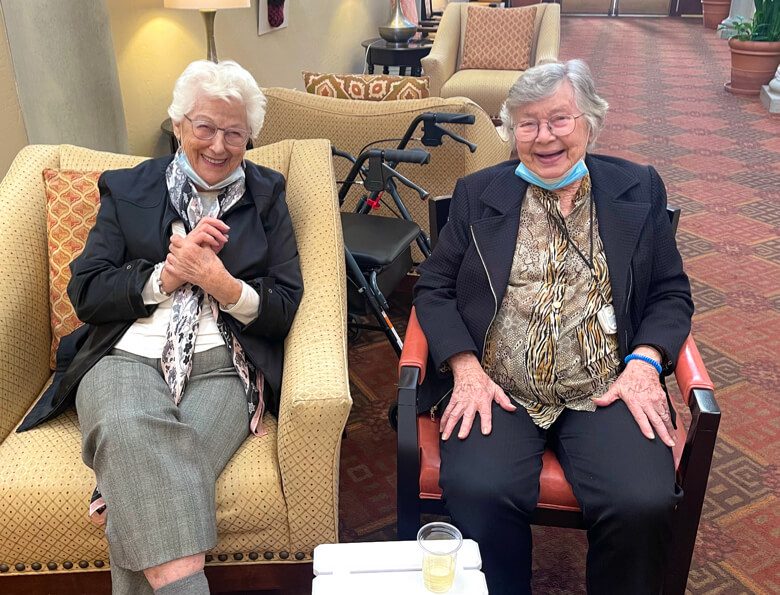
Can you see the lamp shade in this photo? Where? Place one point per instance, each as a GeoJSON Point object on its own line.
{"type": "Point", "coordinates": [207, 4]}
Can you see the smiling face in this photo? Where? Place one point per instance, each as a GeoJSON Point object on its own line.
{"type": "Point", "coordinates": [213, 159]}
{"type": "Point", "coordinates": [549, 156]}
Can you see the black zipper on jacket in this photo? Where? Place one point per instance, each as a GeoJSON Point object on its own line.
{"type": "Point", "coordinates": [493, 291]}
{"type": "Point", "coordinates": [628, 302]}
{"type": "Point", "coordinates": [495, 313]}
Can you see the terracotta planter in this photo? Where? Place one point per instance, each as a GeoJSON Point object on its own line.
{"type": "Point", "coordinates": [753, 63]}
{"type": "Point", "coordinates": [714, 11]}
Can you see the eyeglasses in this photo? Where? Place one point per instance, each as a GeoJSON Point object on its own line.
{"type": "Point", "coordinates": [205, 130]}
{"type": "Point", "coordinates": [559, 125]}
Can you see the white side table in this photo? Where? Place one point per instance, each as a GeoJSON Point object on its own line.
{"type": "Point", "coordinates": [388, 568]}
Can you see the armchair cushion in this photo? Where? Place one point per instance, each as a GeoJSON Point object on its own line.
{"type": "Point", "coordinates": [72, 201]}
{"type": "Point", "coordinates": [368, 87]}
{"type": "Point", "coordinates": [48, 487]}
{"type": "Point", "coordinates": [487, 88]}
{"type": "Point", "coordinates": [498, 38]}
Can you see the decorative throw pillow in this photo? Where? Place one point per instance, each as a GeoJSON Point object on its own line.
{"type": "Point", "coordinates": [369, 87]}
{"type": "Point", "coordinates": [72, 200]}
{"type": "Point", "coordinates": [498, 38]}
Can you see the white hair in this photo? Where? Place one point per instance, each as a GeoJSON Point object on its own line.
{"type": "Point", "coordinates": [541, 82]}
{"type": "Point", "coordinates": [222, 80]}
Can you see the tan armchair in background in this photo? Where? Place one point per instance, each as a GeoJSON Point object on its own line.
{"type": "Point", "coordinates": [277, 498]}
{"type": "Point", "coordinates": [350, 125]}
{"type": "Point", "coordinates": [487, 88]}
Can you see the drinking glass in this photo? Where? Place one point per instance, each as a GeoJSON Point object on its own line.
{"type": "Point", "coordinates": [440, 543]}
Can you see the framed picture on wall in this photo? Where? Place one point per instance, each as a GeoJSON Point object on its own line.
{"type": "Point", "coordinates": [271, 15]}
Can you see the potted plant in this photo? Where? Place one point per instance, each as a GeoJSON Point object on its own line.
{"type": "Point", "coordinates": [755, 49]}
{"type": "Point", "coordinates": [714, 12]}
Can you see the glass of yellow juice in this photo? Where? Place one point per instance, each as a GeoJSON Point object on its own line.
{"type": "Point", "coordinates": [440, 543]}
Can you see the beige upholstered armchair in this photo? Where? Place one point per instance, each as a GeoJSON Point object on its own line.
{"type": "Point", "coordinates": [487, 88]}
{"type": "Point", "coordinates": [350, 125]}
{"type": "Point", "coordinates": [277, 498]}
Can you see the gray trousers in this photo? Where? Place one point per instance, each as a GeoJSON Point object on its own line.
{"type": "Point", "coordinates": [156, 464]}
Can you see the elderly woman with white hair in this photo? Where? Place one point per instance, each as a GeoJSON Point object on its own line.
{"type": "Point", "coordinates": [554, 304]}
{"type": "Point", "coordinates": [188, 285]}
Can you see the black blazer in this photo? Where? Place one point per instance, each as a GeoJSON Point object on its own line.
{"type": "Point", "coordinates": [462, 284]}
{"type": "Point", "coordinates": [131, 234]}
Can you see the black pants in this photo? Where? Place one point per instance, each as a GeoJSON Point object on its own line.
{"type": "Point", "coordinates": [624, 483]}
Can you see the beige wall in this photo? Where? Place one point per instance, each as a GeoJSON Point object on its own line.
{"type": "Point", "coordinates": [154, 44]}
{"type": "Point", "coordinates": [66, 74]}
{"type": "Point", "coordinates": [14, 136]}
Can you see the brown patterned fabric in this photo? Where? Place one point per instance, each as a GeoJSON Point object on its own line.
{"type": "Point", "coordinates": [72, 199]}
{"type": "Point", "coordinates": [545, 347]}
{"type": "Point", "coordinates": [498, 38]}
{"type": "Point", "coordinates": [368, 87]}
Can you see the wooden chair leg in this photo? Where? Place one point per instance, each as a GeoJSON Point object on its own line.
{"type": "Point", "coordinates": [408, 484]}
{"type": "Point", "coordinates": [695, 470]}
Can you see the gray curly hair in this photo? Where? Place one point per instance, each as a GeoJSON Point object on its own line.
{"type": "Point", "coordinates": [540, 82]}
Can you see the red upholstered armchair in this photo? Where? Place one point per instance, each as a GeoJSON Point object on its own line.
{"type": "Point", "coordinates": [418, 453]}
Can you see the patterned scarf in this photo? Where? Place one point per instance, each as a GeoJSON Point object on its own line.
{"type": "Point", "coordinates": [188, 299]}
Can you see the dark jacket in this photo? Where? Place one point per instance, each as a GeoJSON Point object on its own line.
{"type": "Point", "coordinates": [462, 284]}
{"type": "Point", "coordinates": [132, 234]}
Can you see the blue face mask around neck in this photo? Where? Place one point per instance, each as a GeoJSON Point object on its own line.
{"type": "Point", "coordinates": [186, 166]}
{"type": "Point", "coordinates": [578, 171]}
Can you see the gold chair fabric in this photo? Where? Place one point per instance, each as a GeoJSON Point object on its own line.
{"type": "Point", "coordinates": [279, 493]}
{"type": "Point", "coordinates": [350, 125]}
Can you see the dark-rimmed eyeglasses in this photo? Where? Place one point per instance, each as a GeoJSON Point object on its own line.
{"type": "Point", "coordinates": [205, 130]}
{"type": "Point", "coordinates": [559, 125]}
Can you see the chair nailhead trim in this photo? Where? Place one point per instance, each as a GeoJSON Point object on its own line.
{"type": "Point", "coordinates": [36, 566]}
{"type": "Point", "coordinates": [67, 565]}
{"type": "Point", "coordinates": [52, 566]}
{"type": "Point", "coordinates": [99, 563]}
{"type": "Point", "coordinates": [269, 555]}
{"type": "Point", "coordinates": [238, 556]}
{"type": "Point", "coordinates": [253, 555]}
{"type": "Point", "coordinates": [19, 566]}
{"type": "Point", "coordinates": [299, 555]}
{"type": "Point", "coordinates": [222, 557]}
{"type": "Point", "coordinates": [4, 568]}
{"type": "Point", "coordinates": [284, 555]}
{"type": "Point", "coordinates": [209, 557]}
{"type": "Point", "coordinates": [83, 563]}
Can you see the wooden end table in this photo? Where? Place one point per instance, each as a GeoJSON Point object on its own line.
{"type": "Point", "coordinates": [402, 55]}
{"type": "Point", "coordinates": [389, 568]}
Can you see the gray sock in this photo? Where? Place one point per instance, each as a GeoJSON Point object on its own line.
{"type": "Point", "coordinates": [194, 584]}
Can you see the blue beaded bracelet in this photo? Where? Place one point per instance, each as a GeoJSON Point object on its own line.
{"type": "Point", "coordinates": [646, 359]}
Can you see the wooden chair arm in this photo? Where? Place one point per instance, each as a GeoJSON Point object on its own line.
{"type": "Point", "coordinates": [415, 352]}
{"type": "Point", "coordinates": [690, 371]}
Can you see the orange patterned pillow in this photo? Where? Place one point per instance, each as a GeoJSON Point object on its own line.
{"type": "Point", "coordinates": [368, 87]}
{"type": "Point", "coordinates": [72, 201]}
{"type": "Point", "coordinates": [498, 38]}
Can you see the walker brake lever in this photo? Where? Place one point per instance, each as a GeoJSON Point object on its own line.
{"type": "Point", "coordinates": [406, 182]}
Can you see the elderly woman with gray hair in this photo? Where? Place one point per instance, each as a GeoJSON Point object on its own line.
{"type": "Point", "coordinates": [188, 283]}
{"type": "Point", "coordinates": [554, 304]}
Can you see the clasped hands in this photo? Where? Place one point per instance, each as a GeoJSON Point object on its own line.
{"type": "Point", "coordinates": [637, 386]}
{"type": "Point", "coordinates": [193, 259]}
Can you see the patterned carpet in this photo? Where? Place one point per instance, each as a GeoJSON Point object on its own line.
{"type": "Point", "coordinates": [720, 158]}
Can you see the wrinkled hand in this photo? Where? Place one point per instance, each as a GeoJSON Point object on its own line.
{"type": "Point", "coordinates": [639, 388]}
{"type": "Point", "coordinates": [193, 263]}
{"type": "Point", "coordinates": [209, 232]}
{"type": "Point", "coordinates": [474, 392]}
